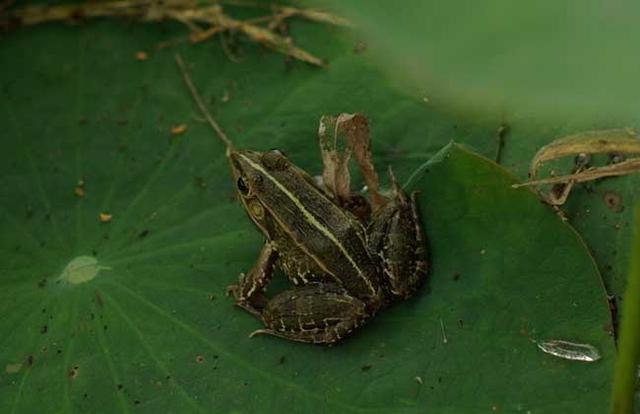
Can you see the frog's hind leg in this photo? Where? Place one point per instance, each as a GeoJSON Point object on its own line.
{"type": "Point", "coordinates": [397, 238]}
{"type": "Point", "coordinates": [322, 313]}
{"type": "Point", "coordinates": [248, 291]}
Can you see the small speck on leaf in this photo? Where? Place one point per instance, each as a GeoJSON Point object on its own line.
{"type": "Point", "coordinates": [105, 217]}
{"type": "Point", "coordinates": [79, 190]}
{"type": "Point", "coordinates": [613, 201]}
{"type": "Point", "coordinates": [360, 47]}
{"type": "Point", "coordinates": [141, 56]}
{"type": "Point", "coordinates": [12, 368]}
{"type": "Point", "coordinates": [74, 372]}
{"type": "Point", "coordinates": [179, 129]}
{"type": "Point", "coordinates": [200, 182]}
{"type": "Point", "coordinates": [199, 359]}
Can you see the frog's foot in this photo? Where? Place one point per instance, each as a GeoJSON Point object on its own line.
{"type": "Point", "coordinates": [322, 313]}
{"type": "Point", "coordinates": [248, 293]}
{"type": "Point", "coordinates": [254, 304]}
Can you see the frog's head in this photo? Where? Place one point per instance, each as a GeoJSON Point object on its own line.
{"type": "Point", "coordinates": [257, 176]}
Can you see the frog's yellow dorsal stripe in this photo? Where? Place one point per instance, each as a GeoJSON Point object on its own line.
{"type": "Point", "coordinates": [309, 217]}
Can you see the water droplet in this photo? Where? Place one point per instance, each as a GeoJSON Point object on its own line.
{"type": "Point", "coordinates": [81, 269]}
{"type": "Point", "coordinates": [569, 350]}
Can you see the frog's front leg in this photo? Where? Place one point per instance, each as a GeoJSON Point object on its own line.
{"type": "Point", "coordinates": [318, 312]}
{"type": "Point", "coordinates": [250, 286]}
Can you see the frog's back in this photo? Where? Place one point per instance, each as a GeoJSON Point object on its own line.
{"type": "Point", "coordinates": [321, 232]}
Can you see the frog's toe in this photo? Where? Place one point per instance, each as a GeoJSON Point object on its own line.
{"type": "Point", "coordinates": [249, 307]}
{"type": "Point", "coordinates": [235, 291]}
{"type": "Point", "coordinates": [326, 336]}
{"type": "Point", "coordinates": [262, 332]}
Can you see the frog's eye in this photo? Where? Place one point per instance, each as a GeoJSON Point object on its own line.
{"type": "Point", "coordinates": [242, 186]}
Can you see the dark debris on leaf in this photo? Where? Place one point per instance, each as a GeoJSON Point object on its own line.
{"type": "Point", "coordinates": [613, 201]}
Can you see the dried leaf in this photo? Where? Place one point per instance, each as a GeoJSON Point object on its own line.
{"type": "Point", "coordinates": [617, 141]}
{"type": "Point", "coordinates": [335, 175]}
{"type": "Point", "coordinates": [350, 131]}
{"type": "Point", "coordinates": [590, 142]}
{"type": "Point", "coordinates": [356, 129]}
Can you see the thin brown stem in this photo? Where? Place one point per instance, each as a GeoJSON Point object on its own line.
{"type": "Point", "coordinates": [203, 109]}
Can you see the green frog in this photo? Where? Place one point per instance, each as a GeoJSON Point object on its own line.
{"type": "Point", "coordinates": [344, 270]}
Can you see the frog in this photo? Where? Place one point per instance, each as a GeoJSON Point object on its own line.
{"type": "Point", "coordinates": [345, 269]}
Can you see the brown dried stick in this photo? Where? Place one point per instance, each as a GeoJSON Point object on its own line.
{"type": "Point", "coordinates": [189, 12]}
{"type": "Point", "coordinates": [203, 109]}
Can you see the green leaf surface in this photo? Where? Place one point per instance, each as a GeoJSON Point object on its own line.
{"type": "Point", "coordinates": [557, 58]}
{"type": "Point", "coordinates": [131, 316]}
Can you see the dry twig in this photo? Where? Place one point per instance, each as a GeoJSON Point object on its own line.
{"type": "Point", "coordinates": [203, 18]}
